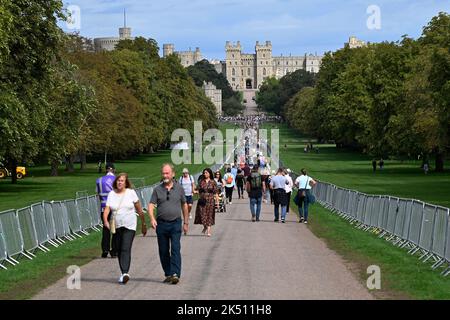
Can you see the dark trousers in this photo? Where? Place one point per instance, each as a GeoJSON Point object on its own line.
{"type": "Point", "coordinates": [125, 239]}
{"type": "Point", "coordinates": [271, 196]}
{"type": "Point", "coordinates": [229, 193]}
{"type": "Point", "coordinates": [240, 190]}
{"type": "Point", "coordinates": [288, 196]}
{"type": "Point", "coordinates": [169, 236]}
{"type": "Point", "coordinates": [108, 244]}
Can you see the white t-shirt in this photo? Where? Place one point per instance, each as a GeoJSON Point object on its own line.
{"type": "Point", "coordinates": [186, 183]}
{"type": "Point", "coordinates": [303, 180]}
{"type": "Point", "coordinates": [126, 215]}
{"type": "Point", "coordinates": [288, 187]}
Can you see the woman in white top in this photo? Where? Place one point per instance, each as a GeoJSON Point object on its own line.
{"type": "Point", "coordinates": [124, 203]}
{"type": "Point", "coordinates": [304, 183]}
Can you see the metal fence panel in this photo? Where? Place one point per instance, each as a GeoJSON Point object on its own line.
{"type": "Point", "coordinates": [368, 211]}
{"type": "Point", "coordinates": [416, 222]}
{"type": "Point", "coordinates": [353, 204]}
{"type": "Point", "coordinates": [27, 228]}
{"type": "Point", "coordinates": [83, 210]}
{"type": "Point", "coordinates": [426, 234]}
{"type": "Point", "coordinates": [392, 214]}
{"type": "Point", "coordinates": [375, 211]}
{"type": "Point", "coordinates": [361, 207]}
{"type": "Point", "coordinates": [408, 217]}
{"type": "Point", "coordinates": [38, 213]}
{"type": "Point", "coordinates": [72, 213]}
{"type": "Point", "coordinates": [49, 220]}
{"type": "Point", "coordinates": [61, 219]}
{"type": "Point", "coordinates": [11, 232]}
{"type": "Point", "coordinates": [94, 210]}
{"type": "Point", "coordinates": [440, 231]}
{"type": "Point", "coordinates": [401, 216]}
{"type": "Point", "coordinates": [3, 253]}
{"type": "Point", "coordinates": [447, 245]}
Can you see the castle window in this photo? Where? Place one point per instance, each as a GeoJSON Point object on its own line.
{"type": "Point", "coordinates": [264, 55]}
{"type": "Point", "coordinates": [233, 72]}
{"type": "Point", "coordinates": [232, 55]}
{"type": "Point", "coordinates": [242, 72]}
{"type": "Point", "coordinates": [267, 62]}
{"type": "Point", "coordinates": [248, 71]}
{"type": "Point", "coordinates": [287, 63]}
{"type": "Point", "coordinates": [264, 71]}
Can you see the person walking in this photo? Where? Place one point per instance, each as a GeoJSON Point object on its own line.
{"type": "Point", "coordinates": [240, 183]}
{"type": "Point", "coordinates": [304, 183]}
{"type": "Point", "coordinates": [123, 202]}
{"type": "Point", "coordinates": [99, 166]}
{"type": "Point", "coordinates": [288, 188]}
{"type": "Point", "coordinates": [255, 189]}
{"type": "Point", "coordinates": [170, 200]}
{"type": "Point", "coordinates": [374, 165]}
{"type": "Point", "coordinates": [104, 186]}
{"type": "Point", "coordinates": [207, 202]}
{"type": "Point", "coordinates": [229, 185]}
{"type": "Point", "coordinates": [381, 164]}
{"type": "Point", "coordinates": [188, 183]}
{"type": "Point", "coordinates": [278, 184]}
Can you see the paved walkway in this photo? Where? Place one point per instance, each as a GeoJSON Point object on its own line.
{"type": "Point", "coordinates": [242, 260]}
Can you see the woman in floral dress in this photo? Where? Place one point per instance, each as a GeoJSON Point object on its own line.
{"type": "Point", "coordinates": [206, 204]}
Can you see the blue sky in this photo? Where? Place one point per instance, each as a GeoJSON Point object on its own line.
{"type": "Point", "coordinates": [294, 26]}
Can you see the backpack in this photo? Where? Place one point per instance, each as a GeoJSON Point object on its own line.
{"type": "Point", "coordinates": [255, 181]}
{"type": "Point", "coordinates": [229, 179]}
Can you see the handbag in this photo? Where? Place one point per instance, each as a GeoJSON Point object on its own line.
{"type": "Point", "coordinates": [112, 222]}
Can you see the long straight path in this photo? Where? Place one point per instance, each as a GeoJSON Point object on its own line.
{"type": "Point", "coordinates": [242, 260]}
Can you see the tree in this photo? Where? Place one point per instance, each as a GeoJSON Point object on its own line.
{"type": "Point", "coordinates": [33, 36]}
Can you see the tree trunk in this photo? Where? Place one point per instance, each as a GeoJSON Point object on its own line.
{"type": "Point", "coordinates": [440, 162]}
{"type": "Point", "coordinates": [83, 161]}
{"type": "Point", "coordinates": [14, 171]}
{"type": "Point", "coordinates": [54, 168]}
{"type": "Point", "coordinates": [69, 163]}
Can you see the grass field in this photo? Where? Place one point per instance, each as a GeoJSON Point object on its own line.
{"type": "Point", "coordinates": [403, 276]}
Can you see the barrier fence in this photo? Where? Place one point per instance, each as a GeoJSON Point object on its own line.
{"type": "Point", "coordinates": [407, 223]}
{"type": "Point", "coordinates": [53, 223]}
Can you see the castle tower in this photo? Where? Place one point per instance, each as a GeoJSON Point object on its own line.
{"type": "Point", "coordinates": [124, 33]}
{"type": "Point", "coordinates": [234, 64]}
{"type": "Point", "coordinates": [197, 55]}
{"type": "Point", "coordinates": [168, 49]}
{"type": "Point", "coordinates": [264, 62]}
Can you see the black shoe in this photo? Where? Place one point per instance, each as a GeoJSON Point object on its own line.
{"type": "Point", "coordinates": [113, 254]}
{"type": "Point", "coordinates": [282, 221]}
{"type": "Point", "coordinates": [257, 220]}
{"type": "Point", "coordinates": [174, 279]}
{"type": "Point", "coordinates": [168, 279]}
{"type": "Point", "coordinates": [275, 220]}
{"type": "Point", "coordinates": [105, 254]}
{"type": "Point", "coordinates": [301, 220]}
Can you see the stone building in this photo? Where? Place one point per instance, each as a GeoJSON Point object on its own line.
{"type": "Point", "coordinates": [109, 43]}
{"type": "Point", "coordinates": [188, 58]}
{"type": "Point", "coordinates": [353, 42]}
{"type": "Point", "coordinates": [248, 71]}
{"type": "Point", "coordinates": [214, 94]}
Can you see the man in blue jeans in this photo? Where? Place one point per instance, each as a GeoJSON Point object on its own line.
{"type": "Point", "coordinates": [255, 188]}
{"type": "Point", "coordinates": [277, 184]}
{"type": "Point", "coordinates": [171, 202]}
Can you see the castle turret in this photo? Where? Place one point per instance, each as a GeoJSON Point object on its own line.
{"type": "Point", "coordinates": [168, 49]}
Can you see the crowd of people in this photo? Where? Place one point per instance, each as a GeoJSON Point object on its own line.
{"type": "Point", "coordinates": [250, 174]}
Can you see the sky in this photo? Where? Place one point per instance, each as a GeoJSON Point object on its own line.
{"type": "Point", "coordinates": [293, 26]}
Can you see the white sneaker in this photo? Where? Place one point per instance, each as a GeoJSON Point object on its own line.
{"type": "Point", "coordinates": [231, 202]}
{"type": "Point", "coordinates": [190, 216]}
{"type": "Point", "coordinates": [305, 222]}
{"type": "Point", "coordinates": [121, 278]}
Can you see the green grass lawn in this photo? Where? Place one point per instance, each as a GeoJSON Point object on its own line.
{"type": "Point", "coordinates": [403, 276]}
{"type": "Point", "coordinates": [354, 171]}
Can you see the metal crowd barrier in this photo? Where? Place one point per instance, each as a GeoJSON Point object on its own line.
{"type": "Point", "coordinates": [52, 223]}
{"type": "Point", "coordinates": [418, 226]}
